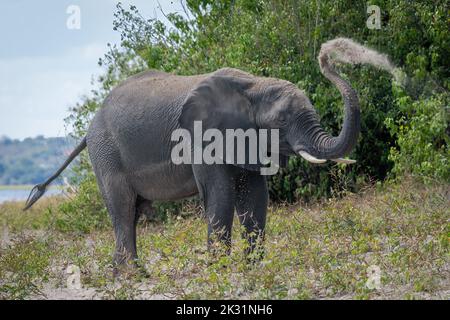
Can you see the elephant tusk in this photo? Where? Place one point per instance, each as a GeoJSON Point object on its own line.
{"type": "Point", "coordinates": [342, 160]}
{"type": "Point", "coordinates": [310, 158]}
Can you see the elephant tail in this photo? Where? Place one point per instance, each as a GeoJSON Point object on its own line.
{"type": "Point", "coordinates": [38, 191]}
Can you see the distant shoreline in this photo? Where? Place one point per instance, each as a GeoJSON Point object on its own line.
{"type": "Point", "coordinates": [25, 187]}
{"type": "Point", "coordinates": [19, 193]}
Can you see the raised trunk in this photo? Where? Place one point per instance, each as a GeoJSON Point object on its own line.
{"type": "Point", "coordinates": [325, 146]}
{"type": "Point", "coordinates": [322, 145]}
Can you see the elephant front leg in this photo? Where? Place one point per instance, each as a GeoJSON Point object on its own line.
{"type": "Point", "coordinates": [219, 214]}
{"type": "Point", "coordinates": [216, 188]}
{"type": "Point", "coordinates": [251, 208]}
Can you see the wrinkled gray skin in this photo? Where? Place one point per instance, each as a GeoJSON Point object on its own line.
{"type": "Point", "coordinates": [129, 144]}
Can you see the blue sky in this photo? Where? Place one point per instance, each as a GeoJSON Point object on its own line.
{"type": "Point", "coordinates": [45, 67]}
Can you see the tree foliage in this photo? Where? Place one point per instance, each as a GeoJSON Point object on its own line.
{"type": "Point", "coordinates": [403, 128]}
{"type": "Point", "coordinates": [32, 160]}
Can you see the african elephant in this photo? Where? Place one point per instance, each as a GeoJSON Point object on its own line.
{"type": "Point", "coordinates": [129, 141]}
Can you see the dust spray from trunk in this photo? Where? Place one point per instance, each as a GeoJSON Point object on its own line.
{"type": "Point", "coordinates": [348, 51]}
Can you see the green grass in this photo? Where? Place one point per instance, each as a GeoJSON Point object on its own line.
{"type": "Point", "coordinates": [316, 252]}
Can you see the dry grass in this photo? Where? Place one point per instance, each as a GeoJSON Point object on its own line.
{"type": "Point", "coordinates": [318, 252]}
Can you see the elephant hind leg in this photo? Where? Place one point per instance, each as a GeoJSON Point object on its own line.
{"type": "Point", "coordinates": [120, 200]}
{"type": "Point", "coordinates": [119, 196]}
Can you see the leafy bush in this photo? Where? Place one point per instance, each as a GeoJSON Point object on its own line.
{"type": "Point", "coordinates": [24, 267]}
{"type": "Point", "coordinates": [84, 213]}
{"type": "Point", "coordinates": [282, 39]}
{"type": "Point", "coordinates": [422, 137]}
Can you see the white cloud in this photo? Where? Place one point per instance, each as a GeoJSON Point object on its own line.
{"type": "Point", "coordinates": [36, 92]}
{"type": "Point", "coordinates": [44, 69]}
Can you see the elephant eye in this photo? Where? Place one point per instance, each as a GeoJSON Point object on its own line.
{"type": "Point", "coordinates": [281, 120]}
{"type": "Point", "coordinates": [283, 116]}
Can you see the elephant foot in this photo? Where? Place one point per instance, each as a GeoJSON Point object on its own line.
{"type": "Point", "coordinates": [130, 270]}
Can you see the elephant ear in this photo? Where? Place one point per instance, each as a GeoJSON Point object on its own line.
{"type": "Point", "coordinates": [219, 103]}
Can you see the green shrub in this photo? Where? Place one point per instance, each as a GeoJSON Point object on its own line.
{"type": "Point", "coordinates": [83, 213]}
{"type": "Point", "coordinates": [422, 137]}
{"type": "Point", "coordinates": [24, 267]}
{"type": "Point", "coordinates": [282, 39]}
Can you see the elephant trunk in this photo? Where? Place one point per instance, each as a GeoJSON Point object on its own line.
{"type": "Point", "coordinates": [322, 145]}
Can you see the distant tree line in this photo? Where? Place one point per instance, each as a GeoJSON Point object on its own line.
{"type": "Point", "coordinates": [32, 160]}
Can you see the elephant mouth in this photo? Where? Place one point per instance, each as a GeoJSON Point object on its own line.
{"type": "Point", "coordinates": [302, 151]}
{"type": "Point", "coordinates": [287, 151]}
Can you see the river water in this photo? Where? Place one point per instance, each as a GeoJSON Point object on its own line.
{"type": "Point", "coordinates": [22, 194]}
